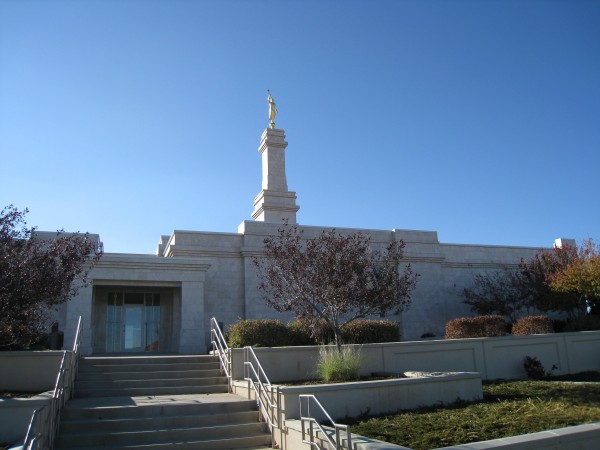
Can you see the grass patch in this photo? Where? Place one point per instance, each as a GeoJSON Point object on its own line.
{"type": "Point", "coordinates": [509, 408]}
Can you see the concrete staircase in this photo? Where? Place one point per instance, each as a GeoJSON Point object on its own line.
{"type": "Point", "coordinates": [162, 402]}
{"type": "Point", "coordinates": [147, 375]}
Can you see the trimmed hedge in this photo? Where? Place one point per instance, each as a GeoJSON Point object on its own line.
{"type": "Point", "coordinates": [273, 333]}
{"type": "Point", "coordinates": [532, 325]}
{"type": "Point", "coordinates": [472, 327]}
{"type": "Point", "coordinates": [257, 333]}
{"type": "Point", "coordinates": [371, 332]}
{"type": "Point", "coordinates": [300, 333]}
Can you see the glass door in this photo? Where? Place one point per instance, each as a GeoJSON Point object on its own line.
{"type": "Point", "coordinates": [114, 318]}
{"type": "Point", "coordinates": [132, 322]}
{"type": "Point", "coordinates": [133, 330]}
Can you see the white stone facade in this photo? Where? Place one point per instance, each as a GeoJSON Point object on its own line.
{"type": "Point", "coordinates": [199, 275]}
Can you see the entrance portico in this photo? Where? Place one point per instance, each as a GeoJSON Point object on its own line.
{"type": "Point", "coordinates": [143, 303]}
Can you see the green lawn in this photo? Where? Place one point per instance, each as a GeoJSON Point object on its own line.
{"type": "Point", "coordinates": [509, 408]}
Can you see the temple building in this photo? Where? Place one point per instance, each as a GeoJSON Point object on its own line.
{"type": "Point", "coordinates": [164, 302]}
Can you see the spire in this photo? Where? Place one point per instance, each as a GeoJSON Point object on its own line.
{"type": "Point", "coordinates": [274, 203]}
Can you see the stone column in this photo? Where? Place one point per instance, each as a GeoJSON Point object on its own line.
{"type": "Point", "coordinates": [79, 306]}
{"type": "Point", "coordinates": [191, 333]}
{"type": "Point", "coordinates": [274, 203]}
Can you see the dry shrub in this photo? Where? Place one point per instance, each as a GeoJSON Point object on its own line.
{"type": "Point", "coordinates": [532, 325]}
{"type": "Point", "coordinates": [472, 327]}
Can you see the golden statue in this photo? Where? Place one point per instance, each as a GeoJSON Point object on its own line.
{"type": "Point", "coordinates": [272, 110]}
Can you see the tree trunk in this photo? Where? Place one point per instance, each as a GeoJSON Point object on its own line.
{"type": "Point", "coordinates": [338, 339]}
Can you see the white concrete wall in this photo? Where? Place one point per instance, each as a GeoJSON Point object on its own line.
{"type": "Point", "coordinates": [29, 371]}
{"type": "Point", "coordinates": [15, 415]}
{"type": "Point", "coordinates": [383, 396]}
{"type": "Point", "coordinates": [493, 358]}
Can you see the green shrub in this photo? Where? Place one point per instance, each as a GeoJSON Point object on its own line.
{"type": "Point", "coordinates": [257, 333]}
{"type": "Point", "coordinates": [301, 333]}
{"type": "Point", "coordinates": [370, 331]}
{"type": "Point", "coordinates": [532, 325]}
{"type": "Point", "coordinates": [535, 369]}
{"type": "Point", "coordinates": [472, 327]}
{"type": "Point", "coordinates": [336, 366]}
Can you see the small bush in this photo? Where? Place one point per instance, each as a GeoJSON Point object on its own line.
{"type": "Point", "coordinates": [532, 325]}
{"type": "Point", "coordinates": [584, 323]}
{"type": "Point", "coordinates": [534, 368]}
{"type": "Point", "coordinates": [370, 331]}
{"type": "Point", "coordinates": [336, 366]}
{"type": "Point", "coordinates": [472, 327]}
{"type": "Point", "coordinates": [257, 333]}
{"type": "Point", "coordinates": [558, 325]}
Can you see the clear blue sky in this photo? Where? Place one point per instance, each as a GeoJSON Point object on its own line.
{"type": "Point", "coordinates": [477, 119]}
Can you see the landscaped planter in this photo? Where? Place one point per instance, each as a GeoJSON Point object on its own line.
{"type": "Point", "coordinates": [379, 396]}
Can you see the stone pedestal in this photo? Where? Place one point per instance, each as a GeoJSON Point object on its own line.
{"type": "Point", "coordinates": [274, 203]}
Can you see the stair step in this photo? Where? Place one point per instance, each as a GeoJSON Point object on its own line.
{"type": "Point", "coordinates": [115, 425]}
{"type": "Point", "coordinates": [148, 383]}
{"type": "Point", "coordinates": [161, 436]}
{"type": "Point", "coordinates": [146, 359]}
{"type": "Point", "coordinates": [139, 367]}
{"type": "Point", "coordinates": [251, 441]}
{"type": "Point", "coordinates": [72, 412]}
{"type": "Point", "coordinates": [152, 391]}
{"type": "Point", "coordinates": [147, 375]}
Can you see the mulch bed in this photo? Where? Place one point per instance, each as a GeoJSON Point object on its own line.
{"type": "Point", "coordinates": [18, 394]}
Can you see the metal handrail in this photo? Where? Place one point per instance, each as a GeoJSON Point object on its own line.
{"type": "Point", "coordinates": [42, 433]}
{"type": "Point", "coordinates": [266, 395]}
{"type": "Point", "coordinates": [34, 438]}
{"type": "Point", "coordinates": [221, 349]}
{"type": "Point", "coordinates": [307, 417]}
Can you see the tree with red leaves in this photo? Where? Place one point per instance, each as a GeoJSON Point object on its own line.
{"type": "Point", "coordinates": [36, 275]}
{"type": "Point", "coordinates": [581, 277]}
{"type": "Point", "coordinates": [335, 278]}
{"type": "Point", "coordinates": [562, 279]}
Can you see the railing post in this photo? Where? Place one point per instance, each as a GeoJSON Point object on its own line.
{"type": "Point", "coordinates": [222, 351]}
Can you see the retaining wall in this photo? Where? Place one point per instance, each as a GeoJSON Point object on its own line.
{"type": "Point", "coordinates": [493, 358]}
{"type": "Point", "coordinates": [351, 399]}
{"type": "Point", "coordinates": [29, 371]}
{"type": "Point", "coordinates": [15, 415]}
